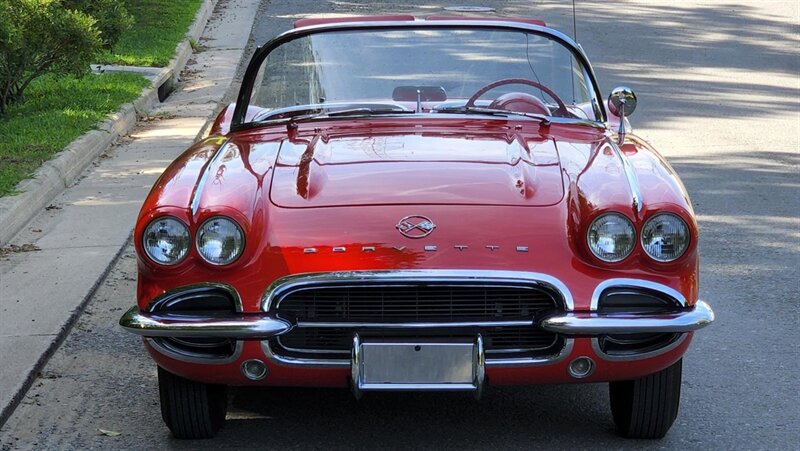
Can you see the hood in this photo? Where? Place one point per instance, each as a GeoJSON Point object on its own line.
{"type": "Point", "coordinates": [417, 168]}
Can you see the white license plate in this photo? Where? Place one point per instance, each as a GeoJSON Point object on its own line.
{"type": "Point", "coordinates": [417, 365]}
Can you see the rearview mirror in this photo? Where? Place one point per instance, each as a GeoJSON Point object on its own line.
{"type": "Point", "coordinates": [421, 93]}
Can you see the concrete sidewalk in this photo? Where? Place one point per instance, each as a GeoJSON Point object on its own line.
{"type": "Point", "coordinates": [66, 251]}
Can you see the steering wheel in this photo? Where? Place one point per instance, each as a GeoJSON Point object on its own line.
{"type": "Point", "coordinates": [560, 111]}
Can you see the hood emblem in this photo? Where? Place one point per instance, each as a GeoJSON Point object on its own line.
{"type": "Point", "coordinates": [415, 226]}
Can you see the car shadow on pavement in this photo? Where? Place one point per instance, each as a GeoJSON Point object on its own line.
{"type": "Point", "coordinates": [529, 416]}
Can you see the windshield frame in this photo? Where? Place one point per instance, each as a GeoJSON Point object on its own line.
{"type": "Point", "coordinates": [261, 53]}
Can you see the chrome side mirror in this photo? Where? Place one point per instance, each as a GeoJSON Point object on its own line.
{"type": "Point", "coordinates": [622, 103]}
{"type": "Point", "coordinates": [622, 100]}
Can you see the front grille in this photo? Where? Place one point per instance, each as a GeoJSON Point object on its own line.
{"type": "Point", "coordinates": [412, 303]}
{"type": "Point", "coordinates": [338, 311]}
{"type": "Point", "coordinates": [339, 340]}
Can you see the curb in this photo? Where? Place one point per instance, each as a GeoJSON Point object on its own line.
{"type": "Point", "coordinates": [58, 340]}
{"type": "Point", "coordinates": [55, 175]}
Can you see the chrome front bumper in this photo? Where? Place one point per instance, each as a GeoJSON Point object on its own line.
{"type": "Point", "coordinates": [262, 326]}
{"type": "Point", "coordinates": [592, 323]}
{"type": "Point", "coordinates": [176, 325]}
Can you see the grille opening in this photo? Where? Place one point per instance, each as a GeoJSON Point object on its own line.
{"type": "Point", "coordinates": [200, 301]}
{"type": "Point", "coordinates": [336, 343]}
{"type": "Point", "coordinates": [636, 301]}
{"type": "Point", "coordinates": [635, 344]}
{"type": "Point", "coordinates": [199, 348]}
{"type": "Point", "coordinates": [626, 300]}
{"type": "Point", "coordinates": [416, 303]}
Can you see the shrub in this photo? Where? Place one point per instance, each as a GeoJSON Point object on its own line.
{"type": "Point", "coordinates": [41, 36]}
{"type": "Point", "coordinates": [112, 19]}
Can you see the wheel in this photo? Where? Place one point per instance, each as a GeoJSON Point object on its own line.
{"type": "Point", "coordinates": [647, 407]}
{"type": "Point", "coordinates": [191, 409]}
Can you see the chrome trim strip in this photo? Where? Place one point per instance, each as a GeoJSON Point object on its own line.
{"type": "Point", "coordinates": [165, 324]}
{"type": "Point", "coordinates": [294, 281]}
{"type": "Point", "coordinates": [640, 356]}
{"type": "Point", "coordinates": [636, 192]}
{"type": "Point", "coordinates": [588, 323]}
{"type": "Point", "coordinates": [198, 189]}
{"type": "Point", "coordinates": [308, 351]}
{"type": "Point", "coordinates": [237, 300]}
{"type": "Point", "coordinates": [569, 343]}
{"type": "Point", "coordinates": [635, 283]}
{"type": "Point", "coordinates": [293, 361]}
{"type": "Point", "coordinates": [422, 325]}
{"type": "Point", "coordinates": [237, 352]}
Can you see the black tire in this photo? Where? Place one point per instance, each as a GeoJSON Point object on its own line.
{"type": "Point", "coordinates": [191, 410]}
{"type": "Point", "coordinates": [647, 407]}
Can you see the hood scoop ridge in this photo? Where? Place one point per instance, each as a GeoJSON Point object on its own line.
{"type": "Point", "coordinates": [412, 169]}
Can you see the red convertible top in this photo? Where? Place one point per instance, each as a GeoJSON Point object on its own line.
{"type": "Point", "coordinates": [405, 18]}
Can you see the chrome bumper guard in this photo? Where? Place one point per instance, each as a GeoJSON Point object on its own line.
{"type": "Point", "coordinates": [177, 325]}
{"type": "Point", "coordinates": [592, 323]}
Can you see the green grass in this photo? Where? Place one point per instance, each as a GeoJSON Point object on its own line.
{"type": "Point", "coordinates": [55, 112]}
{"type": "Point", "coordinates": [160, 25]}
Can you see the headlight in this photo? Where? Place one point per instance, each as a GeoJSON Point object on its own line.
{"type": "Point", "coordinates": [665, 237]}
{"type": "Point", "coordinates": [611, 237]}
{"type": "Point", "coordinates": [166, 240]}
{"type": "Point", "coordinates": [220, 241]}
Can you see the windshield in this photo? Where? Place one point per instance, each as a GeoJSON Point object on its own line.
{"type": "Point", "coordinates": [428, 70]}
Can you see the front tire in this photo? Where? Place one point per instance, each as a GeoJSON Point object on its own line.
{"type": "Point", "coordinates": [191, 410]}
{"type": "Point", "coordinates": [647, 407]}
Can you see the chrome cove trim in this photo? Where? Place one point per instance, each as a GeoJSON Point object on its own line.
{"type": "Point", "coordinates": [237, 300]}
{"type": "Point", "coordinates": [183, 357]}
{"type": "Point", "coordinates": [590, 323]}
{"type": "Point", "coordinates": [635, 283]}
{"type": "Point", "coordinates": [636, 192]}
{"type": "Point", "coordinates": [631, 357]}
{"type": "Point", "coordinates": [492, 363]}
{"type": "Point", "coordinates": [295, 281]}
{"type": "Point", "coordinates": [239, 326]}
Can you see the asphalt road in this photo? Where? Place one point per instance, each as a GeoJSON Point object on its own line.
{"type": "Point", "coordinates": [719, 95]}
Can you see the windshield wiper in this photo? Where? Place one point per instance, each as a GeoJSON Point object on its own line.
{"type": "Point", "coordinates": [321, 112]}
{"type": "Point", "coordinates": [492, 112]}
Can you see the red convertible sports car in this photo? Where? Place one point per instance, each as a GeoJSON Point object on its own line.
{"type": "Point", "coordinates": [396, 203]}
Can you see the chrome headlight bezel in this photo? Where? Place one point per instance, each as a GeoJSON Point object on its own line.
{"type": "Point", "coordinates": [202, 231]}
{"type": "Point", "coordinates": [646, 230]}
{"type": "Point", "coordinates": [593, 228]}
{"type": "Point", "coordinates": [186, 242]}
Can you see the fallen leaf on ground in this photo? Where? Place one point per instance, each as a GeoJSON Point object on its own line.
{"type": "Point", "coordinates": [109, 433]}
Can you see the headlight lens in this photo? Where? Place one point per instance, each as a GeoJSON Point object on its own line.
{"type": "Point", "coordinates": [166, 240]}
{"type": "Point", "coordinates": [665, 237]}
{"type": "Point", "coordinates": [220, 241]}
{"type": "Point", "coordinates": [611, 237]}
